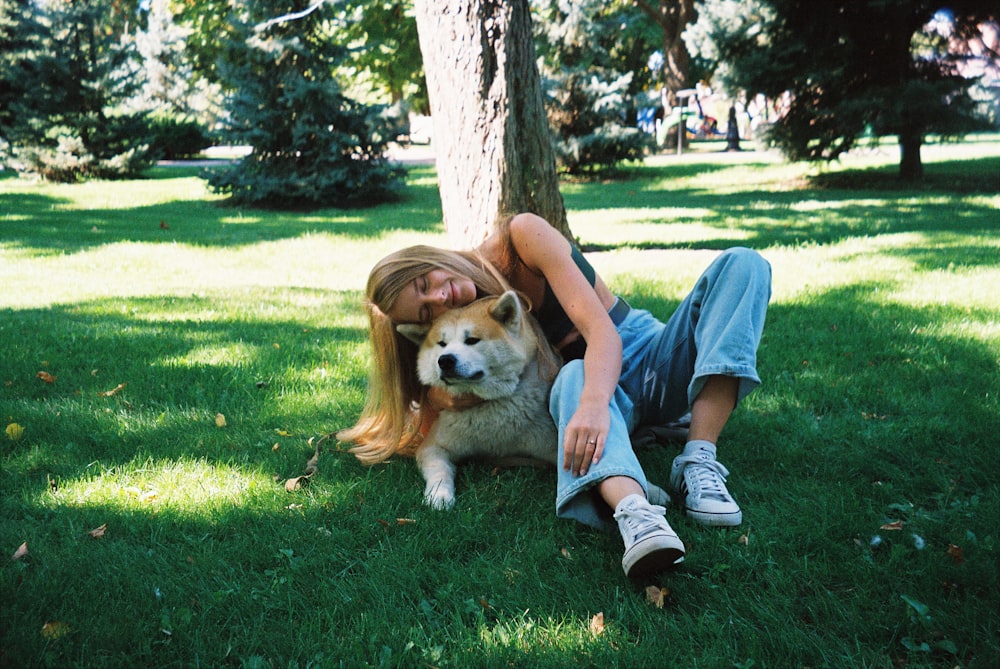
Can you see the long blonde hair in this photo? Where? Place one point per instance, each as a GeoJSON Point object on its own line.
{"type": "Point", "coordinates": [395, 407]}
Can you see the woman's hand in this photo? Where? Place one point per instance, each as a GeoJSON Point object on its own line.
{"type": "Point", "coordinates": [441, 400]}
{"type": "Point", "coordinates": [585, 435]}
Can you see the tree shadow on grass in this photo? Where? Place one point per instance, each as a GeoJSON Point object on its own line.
{"type": "Point", "coordinates": [866, 404]}
{"type": "Point", "coordinates": [45, 224]}
{"type": "Point", "coordinates": [794, 215]}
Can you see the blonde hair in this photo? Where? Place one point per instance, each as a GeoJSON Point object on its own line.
{"type": "Point", "coordinates": [395, 407]}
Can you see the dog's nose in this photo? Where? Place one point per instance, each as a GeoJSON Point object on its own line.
{"type": "Point", "coordinates": [447, 363]}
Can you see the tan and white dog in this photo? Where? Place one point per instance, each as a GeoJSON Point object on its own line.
{"type": "Point", "coordinates": [490, 349]}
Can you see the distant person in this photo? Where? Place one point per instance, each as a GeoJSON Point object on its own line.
{"type": "Point", "coordinates": [732, 131]}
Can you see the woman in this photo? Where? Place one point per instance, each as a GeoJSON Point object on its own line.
{"type": "Point", "coordinates": [703, 359]}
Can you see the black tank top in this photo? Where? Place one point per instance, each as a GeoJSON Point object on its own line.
{"type": "Point", "coordinates": [553, 319]}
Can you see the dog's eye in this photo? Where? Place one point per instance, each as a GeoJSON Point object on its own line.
{"type": "Point", "coordinates": [442, 343]}
{"type": "Point", "coordinates": [471, 341]}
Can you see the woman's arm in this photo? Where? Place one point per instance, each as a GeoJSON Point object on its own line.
{"type": "Point", "coordinates": [545, 251]}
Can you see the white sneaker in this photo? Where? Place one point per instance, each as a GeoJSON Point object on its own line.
{"type": "Point", "coordinates": [701, 480]}
{"type": "Point", "coordinates": [650, 544]}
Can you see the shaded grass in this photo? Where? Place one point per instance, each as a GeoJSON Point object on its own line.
{"type": "Point", "coordinates": [879, 405]}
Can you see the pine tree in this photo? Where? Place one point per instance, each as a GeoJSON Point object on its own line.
{"type": "Point", "coordinates": [312, 145]}
{"type": "Point", "coordinates": [67, 72]}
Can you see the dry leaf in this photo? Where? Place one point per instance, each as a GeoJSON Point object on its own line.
{"type": "Point", "coordinates": [98, 532]}
{"type": "Point", "coordinates": [54, 629]}
{"type": "Point", "coordinates": [597, 624]}
{"type": "Point", "coordinates": [14, 431]}
{"type": "Point", "coordinates": [276, 446]}
{"type": "Point", "coordinates": [45, 376]}
{"type": "Point", "coordinates": [21, 551]}
{"type": "Point", "coordinates": [657, 596]}
{"type": "Point", "coordinates": [220, 420]}
{"type": "Point", "coordinates": [955, 552]}
{"type": "Point", "coordinates": [114, 391]}
{"type": "Point", "coordinates": [405, 521]}
{"type": "Point", "coordinates": [744, 539]}
{"type": "Point", "coordinates": [565, 553]}
{"type": "Point", "coordinates": [164, 226]}
{"type": "Point", "coordinates": [895, 525]}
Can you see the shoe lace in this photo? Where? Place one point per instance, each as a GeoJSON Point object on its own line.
{"type": "Point", "coordinates": [641, 521]}
{"type": "Point", "coordinates": [704, 476]}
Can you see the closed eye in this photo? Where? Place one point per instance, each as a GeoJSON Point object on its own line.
{"type": "Point", "coordinates": [471, 341]}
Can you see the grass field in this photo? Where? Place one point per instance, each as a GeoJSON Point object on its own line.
{"type": "Point", "coordinates": [165, 361]}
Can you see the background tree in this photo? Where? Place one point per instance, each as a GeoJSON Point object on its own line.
{"type": "Point", "coordinates": [312, 145]}
{"type": "Point", "coordinates": [383, 44]}
{"type": "Point", "coordinates": [591, 113]}
{"type": "Point", "coordinates": [494, 151]}
{"type": "Point", "coordinates": [672, 17]}
{"type": "Point", "coordinates": [853, 68]}
{"type": "Point", "coordinates": [72, 65]}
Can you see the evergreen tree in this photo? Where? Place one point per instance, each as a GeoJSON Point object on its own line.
{"type": "Point", "coordinates": [848, 69]}
{"type": "Point", "coordinates": [588, 104]}
{"type": "Point", "coordinates": [66, 74]}
{"type": "Point", "coordinates": [312, 145]}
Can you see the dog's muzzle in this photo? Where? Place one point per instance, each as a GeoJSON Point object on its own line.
{"type": "Point", "coordinates": [449, 371]}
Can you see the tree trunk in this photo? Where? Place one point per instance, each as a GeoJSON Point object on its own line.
{"type": "Point", "coordinates": [672, 16]}
{"type": "Point", "coordinates": [911, 168]}
{"type": "Point", "coordinates": [491, 135]}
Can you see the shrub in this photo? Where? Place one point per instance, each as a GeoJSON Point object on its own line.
{"type": "Point", "coordinates": [172, 137]}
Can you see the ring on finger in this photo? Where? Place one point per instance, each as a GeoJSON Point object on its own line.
{"type": "Point", "coordinates": [592, 441]}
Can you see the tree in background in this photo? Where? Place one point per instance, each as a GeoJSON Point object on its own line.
{"type": "Point", "coordinates": [850, 69]}
{"type": "Point", "coordinates": [383, 45]}
{"type": "Point", "coordinates": [312, 145]}
{"type": "Point", "coordinates": [494, 150]}
{"type": "Point", "coordinates": [672, 17]}
{"type": "Point", "coordinates": [68, 70]}
{"type": "Point", "coordinates": [590, 112]}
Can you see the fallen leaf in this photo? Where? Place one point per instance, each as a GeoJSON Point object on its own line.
{"type": "Point", "coordinates": [657, 596]}
{"type": "Point", "coordinates": [14, 431]}
{"type": "Point", "coordinates": [597, 624]}
{"type": "Point", "coordinates": [565, 553]}
{"type": "Point", "coordinates": [291, 485]}
{"type": "Point", "coordinates": [148, 496]}
{"type": "Point", "coordinates": [45, 376]}
{"type": "Point", "coordinates": [276, 446]}
{"type": "Point", "coordinates": [955, 552]}
{"type": "Point", "coordinates": [405, 521]}
{"type": "Point", "coordinates": [54, 629]}
{"type": "Point", "coordinates": [164, 226]}
{"type": "Point", "coordinates": [114, 391]}
{"type": "Point", "coordinates": [282, 433]}
{"type": "Point", "coordinates": [893, 526]}
{"type": "Point", "coordinates": [21, 551]}
{"type": "Point", "coordinates": [220, 420]}
{"type": "Point", "coordinates": [98, 532]}
{"type": "Point", "coordinates": [744, 539]}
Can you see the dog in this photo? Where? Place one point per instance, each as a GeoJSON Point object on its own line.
{"type": "Point", "coordinates": [492, 349]}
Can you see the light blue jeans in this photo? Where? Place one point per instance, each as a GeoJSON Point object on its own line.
{"type": "Point", "coordinates": [715, 331]}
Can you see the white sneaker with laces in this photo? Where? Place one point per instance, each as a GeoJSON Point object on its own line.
{"type": "Point", "coordinates": [650, 543]}
{"type": "Point", "coordinates": [700, 480]}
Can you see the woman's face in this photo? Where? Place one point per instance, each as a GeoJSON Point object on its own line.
{"type": "Point", "coordinates": [430, 295]}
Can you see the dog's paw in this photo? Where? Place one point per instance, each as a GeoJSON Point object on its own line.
{"type": "Point", "coordinates": [441, 500]}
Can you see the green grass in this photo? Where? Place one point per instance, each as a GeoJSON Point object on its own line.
{"type": "Point", "coordinates": [880, 404]}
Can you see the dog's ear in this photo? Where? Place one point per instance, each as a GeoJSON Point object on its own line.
{"type": "Point", "coordinates": [507, 310]}
{"type": "Point", "coordinates": [415, 333]}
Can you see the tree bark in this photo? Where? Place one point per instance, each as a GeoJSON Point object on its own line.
{"type": "Point", "coordinates": [491, 135]}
